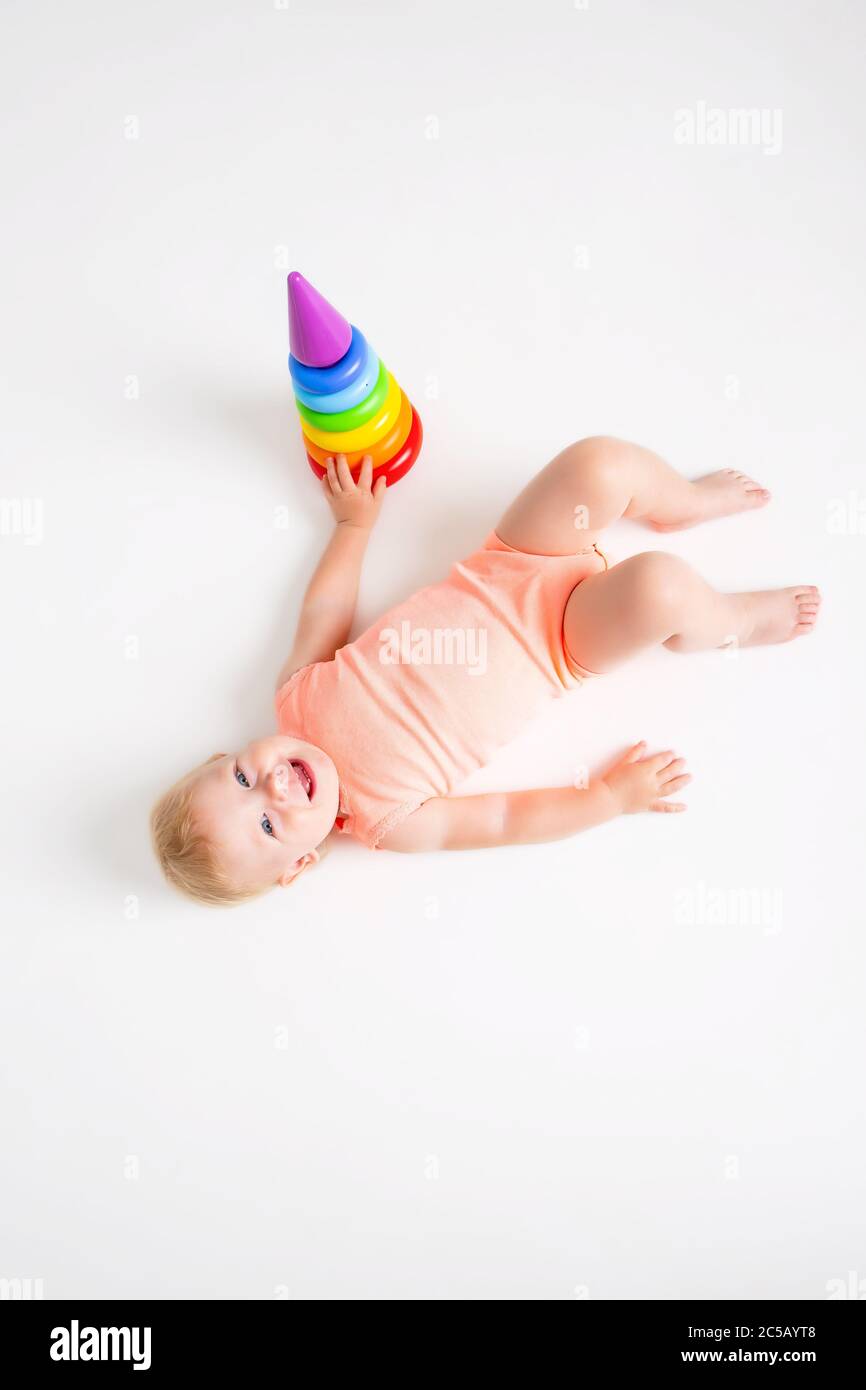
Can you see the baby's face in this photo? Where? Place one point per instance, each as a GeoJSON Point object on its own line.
{"type": "Point", "coordinates": [267, 807]}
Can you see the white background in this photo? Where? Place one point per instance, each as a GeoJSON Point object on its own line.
{"type": "Point", "coordinates": [509, 1074]}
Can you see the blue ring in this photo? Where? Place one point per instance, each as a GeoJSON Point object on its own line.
{"type": "Point", "coordinates": [322, 381]}
{"type": "Point", "coordinates": [350, 396]}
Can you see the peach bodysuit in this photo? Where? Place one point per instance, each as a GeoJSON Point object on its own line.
{"type": "Point", "coordinates": [429, 693]}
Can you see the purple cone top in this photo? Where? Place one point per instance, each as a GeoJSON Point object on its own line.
{"type": "Point", "coordinates": [318, 335]}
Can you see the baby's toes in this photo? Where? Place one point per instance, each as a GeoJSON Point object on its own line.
{"type": "Point", "coordinates": [808, 606]}
{"type": "Point", "coordinates": [755, 494]}
{"type": "Point", "coordinates": [755, 497]}
{"type": "Point", "coordinates": [808, 603]}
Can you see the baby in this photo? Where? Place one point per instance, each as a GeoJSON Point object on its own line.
{"type": "Point", "coordinates": [376, 734]}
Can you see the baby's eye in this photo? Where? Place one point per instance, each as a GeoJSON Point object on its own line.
{"type": "Point", "coordinates": [266, 826]}
{"type": "Point", "coordinates": [241, 778]}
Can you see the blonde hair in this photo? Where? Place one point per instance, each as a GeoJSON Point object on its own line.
{"type": "Point", "coordinates": [187, 858]}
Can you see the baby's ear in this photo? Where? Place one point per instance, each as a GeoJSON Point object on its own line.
{"type": "Point", "coordinates": [298, 868]}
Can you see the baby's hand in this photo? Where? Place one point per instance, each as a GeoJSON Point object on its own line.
{"type": "Point", "coordinates": [353, 502]}
{"type": "Point", "coordinates": [639, 783]}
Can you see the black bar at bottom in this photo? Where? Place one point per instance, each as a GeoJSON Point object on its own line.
{"type": "Point", "coordinates": [220, 1339]}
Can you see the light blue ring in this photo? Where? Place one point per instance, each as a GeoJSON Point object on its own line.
{"type": "Point", "coordinates": [324, 381]}
{"type": "Point", "coordinates": [350, 396]}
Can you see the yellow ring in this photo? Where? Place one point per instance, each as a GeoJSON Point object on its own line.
{"type": "Point", "coordinates": [345, 441]}
{"type": "Point", "coordinates": [380, 452]}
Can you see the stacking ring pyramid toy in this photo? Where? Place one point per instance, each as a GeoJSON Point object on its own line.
{"type": "Point", "coordinates": [348, 401]}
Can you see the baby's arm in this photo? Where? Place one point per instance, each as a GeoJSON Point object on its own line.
{"type": "Point", "coordinates": [635, 783]}
{"type": "Point", "coordinates": [329, 603]}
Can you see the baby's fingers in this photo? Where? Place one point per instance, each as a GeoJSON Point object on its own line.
{"type": "Point", "coordinates": [331, 475]}
{"type": "Point", "coordinates": [344, 473]}
{"type": "Point", "coordinates": [668, 806]}
{"type": "Point", "coordinates": [365, 477]}
{"type": "Point", "coordinates": [675, 784]}
{"type": "Point", "coordinates": [660, 760]}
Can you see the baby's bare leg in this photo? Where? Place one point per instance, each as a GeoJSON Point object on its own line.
{"type": "Point", "coordinates": [568, 504]}
{"type": "Point", "coordinates": [657, 598]}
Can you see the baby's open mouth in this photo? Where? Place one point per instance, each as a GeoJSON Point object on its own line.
{"type": "Point", "coordinates": [304, 776]}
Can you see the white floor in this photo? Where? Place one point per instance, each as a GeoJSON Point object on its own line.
{"type": "Point", "coordinates": [623, 1066]}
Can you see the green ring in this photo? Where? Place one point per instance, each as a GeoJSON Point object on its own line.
{"type": "Point", "coordinates": [350, 419]}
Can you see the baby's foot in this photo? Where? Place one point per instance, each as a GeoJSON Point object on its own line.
{"type": "Point", "coordinates": [778, 615]}
{"type": "Point", "coordinates": [719, 494]}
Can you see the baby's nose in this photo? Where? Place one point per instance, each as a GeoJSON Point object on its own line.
{"type": "Point", "coordinates": [278, 780]}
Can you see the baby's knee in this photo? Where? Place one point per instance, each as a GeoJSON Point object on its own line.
{"type": "Point", "coordinates": [599, 460]}
{"type": "Point", "coordinates": [597, 449]}
{"type": "Point", "coordinates": [662, 583]}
